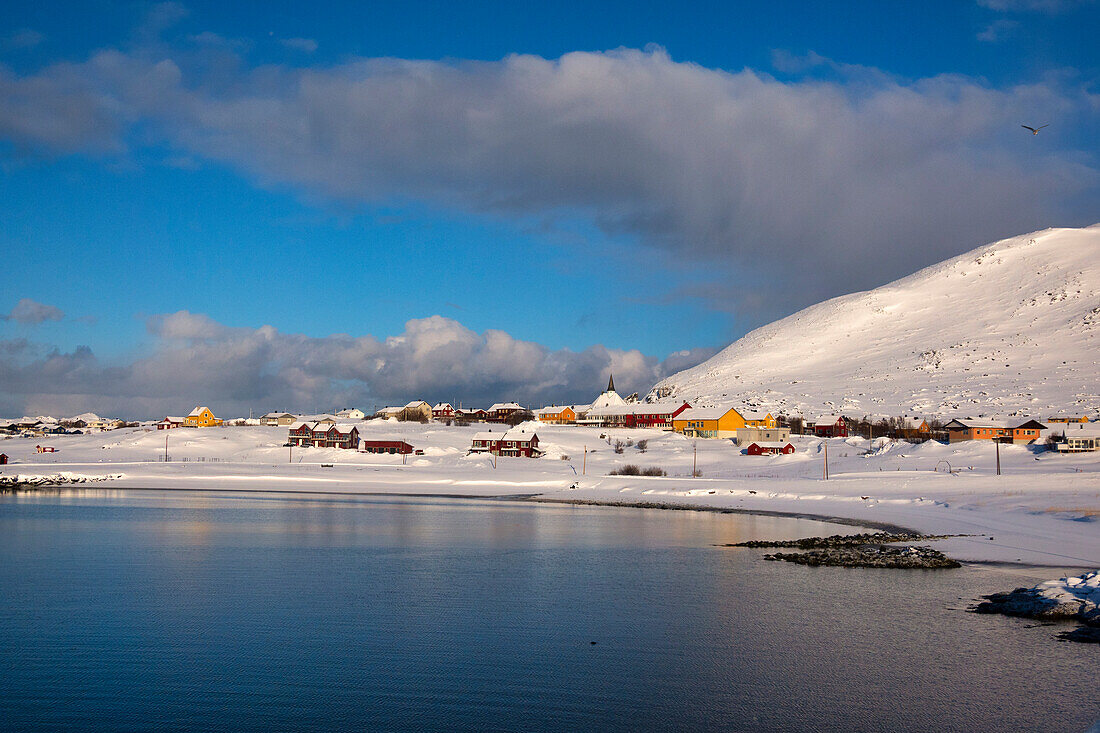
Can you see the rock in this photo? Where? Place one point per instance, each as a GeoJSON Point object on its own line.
{"type": "Point", "coordinates": [870, 556]}
{"type": "Point", "coordinates": [843, 540]}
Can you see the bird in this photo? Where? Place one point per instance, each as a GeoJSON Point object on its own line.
{"type": "Point", "coordinates": [1035, 130]}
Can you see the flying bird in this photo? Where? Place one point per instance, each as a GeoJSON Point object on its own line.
{"type": "Point", "coordinates": [1035, 130]}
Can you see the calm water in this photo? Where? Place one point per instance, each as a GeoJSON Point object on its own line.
{"type": "Point", "coordinates": [132, 611]}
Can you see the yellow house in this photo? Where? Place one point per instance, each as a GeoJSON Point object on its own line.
{"type": "Point", "coordinates": [201, 417]}
{"type": "Point", "coordinates": [564, 415]}
{"type": "Point", "coordinates": [1069, 418]}
{"type": "Point", "coordinates": [709, 422]}
{"type": "Point", "coordinates": [756, 419]}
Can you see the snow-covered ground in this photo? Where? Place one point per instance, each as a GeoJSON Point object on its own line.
{"type": "Point", "coordinates": [1011, 328]}
{"type": "Point", "coordinates": [1043, 510]}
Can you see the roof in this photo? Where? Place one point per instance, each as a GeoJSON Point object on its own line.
{"type": "Point", "coordinates": [1077, 430]}
{"type": "Point", "coordinates": [506, 406]}
{"type": "Point", "coordinates": [197, 411]}
{"type": "Point", "coordinates": [488, 435]}
{"type": "Point", "coordinates": [521, 435]}
{"type": "Point", "coordinates": [827, 419]}
{"type": "Point", "coordinates": [172, 418]}
{"type": "Point", "coordinates": [443, 406]}
{"type": "Point", "coordinates": [770, 444]}
{"type": "Point", "coordinates": [967, 422]}
{"type": "Point", "coordinates": [755, 414]}
{"type": "Point", "coordinates": [385, 410]}
{"type": "Point", "coordinates": [705, 413]}
{"type": "Point", "coordinates": [416, 403]}
{"type": "Point", "coordinates": [553, 410]}
{"type": "Point", "coordinates": [638, 408]}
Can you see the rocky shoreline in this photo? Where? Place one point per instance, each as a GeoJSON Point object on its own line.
{"type": "Point", "coordinates": [866, 550]}
{"type": "Point", "coordinates": [871, 556]}
{"type": "Point", "coordinates": [1066, 599]}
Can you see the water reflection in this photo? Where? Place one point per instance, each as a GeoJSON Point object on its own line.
{"type": "Point", "coordinates": [137, 610]}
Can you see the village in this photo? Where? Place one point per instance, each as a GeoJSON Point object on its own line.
{"type": "Point", "coordinates": [512, 430]}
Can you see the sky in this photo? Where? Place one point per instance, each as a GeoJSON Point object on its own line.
{"type": "Point", "coordinates": [364, 204]}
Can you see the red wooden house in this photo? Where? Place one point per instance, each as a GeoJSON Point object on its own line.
{"type": "Point", "coordinates": [443, 411]}
{"type": "Point", "coordinates": [323, 435]}
{"type": "Point", "coordinates": [393, 447]}
{"type": "Point", "coordinates": [638, 415]}
{"type": "Point", "coordinates": [832, 426]}
{"type": "Point", "coordinates": [514, 443]}
{"type": "Point", "coordinates": [767, 448]}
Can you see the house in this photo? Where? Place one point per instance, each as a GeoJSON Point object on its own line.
{"type": "Point", "coordinates": [913, 429]}
{"type": "Point", "coordinates": [515, 443]}
{"type": "Point", "coordinates": [351, 413]}
{"type": "Point", "coordinates": [443, 411]}
{"type": "Point", "coordinates": [170, 422]}
{"type": "Point", "coordinates": [748, 435]}
{"type": "Point", "coordinates": [769, 448]}
{"type": "Point", "coordinates": [501, 411]}
{"type": "Point", "coordinates": [388, 412]}
{"type": "Point", "coordinates": [320, 417]}
{"type": "Point", "coordinates": [477, 415]}
{"type": "Point", "coordinates": [201, 417]}
{"type": "Point", "coordinates": [1078, 438]}
{"type": "Point", "coordinates": [1020, 432]}
{"type": "Point", "coordinates": [393, 447]}
{"type": "Point", "coordinates": [831, 426]}
{"type": "Point", "coordinates": [564, 415]}
{"type": "Point", "coordinates": [416, 411]}
{"type": "Point", "coordinates": [323, 435]}
{"type": "Point", "coordinates": [278, 419]}
{"type": "Point", "coordinates": [658, 415]}
{"type": "Point", "coordinates": [45, 449]}
{"type": "Point", "coordinates": [759, 419]}
{"type": "Point", "coordinates": [1069, 419]}
{"type": "Point", "coordinates": [708, 422]}
{"type": "Point", "coordinates": [3, 459]}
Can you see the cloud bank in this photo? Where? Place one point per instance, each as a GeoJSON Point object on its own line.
{"type": "Point", "coordinates": [196, 359]}
{"type": "Point", "coordinates": [821, 186]}
{"type": "Point", "coordinates": [31, 312]}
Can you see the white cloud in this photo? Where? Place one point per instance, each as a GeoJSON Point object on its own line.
{"type": "Point", "coordinates": [198, 359]}
{"type": "Point", "coordinates": [31, 312]}
{"type": "Point", "coordinates": [1033, 6]}
{"type": "Point", "coordinates": [305, 45]}
{"type": "Point", "coordinates": [998, 30]}
{"type": "Point", "coordinates": [843, 184]}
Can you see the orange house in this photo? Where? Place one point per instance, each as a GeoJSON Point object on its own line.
{"type": "Point", "coordinates": [998, 430]}
{"type": "Point", "coordinates": [201, 417]}
{"type": "Point", "coordinates": [564, 415]}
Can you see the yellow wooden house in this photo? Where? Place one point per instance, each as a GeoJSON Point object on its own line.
{"type": "Point", "coordinates": [1069, 419]}
{"type": "Point", "coordinates": [201, 417]}
{"type": "Point", "coordinates": [709, 422]}
{"type": "Point", "coordinates": [759, 419]}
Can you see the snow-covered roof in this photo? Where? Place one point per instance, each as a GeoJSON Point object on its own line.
{"type": "Point", "coordinates": [553, 410]}
{"type": "Point", "coordinates": [770, 443]}
{"type": "Point", "coordinates": [172, 418]}
{"type": "Point", "coordinates": [638, 408]}
{"type": "Point", "coordinates": [520, 435]}
{"type": "Point", "coordinates": [389, 410]}
{"type": "Point", "coordinates": [416, 403]}
{"type": "Point", "coordinates": [756, 414]}
{"type": "Point", "coordinates": [197, 411]}
{"type": "Point", "coordinates": [487, 435]}
{"type": "Point", "coordinates": [443, 406]}
{"type": "Point", "coordinates": [704, 413]}
{"type": "Point", "coordinates": [505, 406]}
{"type": "Point", "coordinates": [1076, 430]}
{"type": "Point", "coordinates": [608, 399]}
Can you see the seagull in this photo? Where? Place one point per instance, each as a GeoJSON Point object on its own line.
{"type": "Point", "coordinates": [1035, 130]}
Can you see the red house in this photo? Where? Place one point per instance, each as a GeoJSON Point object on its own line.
{"type": "Point", "coordinates": [323, 435]}
{"type": "Point", "coordinates": [477, 415]}
{"type": "Point", "coordinates": [392, 447]}
{"type": "Point", "coordinates": [514, 443]}
{"type": "Point", "coordinates": [3, 459]}
{"type": "Point", "coordinates": [769, 448]}
{"type": "Point", "coordinates": [831, 426]}
{"type": "Point", "coordinates": [443, 411]}
{"type": "Point", "coordinates": [638, 415]}
{"type": "Point", "coordinates": [501, 411]}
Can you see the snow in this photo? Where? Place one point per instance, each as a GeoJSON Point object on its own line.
{"type": "Point", "coordinates": [1008, 329]}
{"type": "Point", "coordinates": [1085, 589]}
{"type": "Point", "coordinates": [1044, 509]}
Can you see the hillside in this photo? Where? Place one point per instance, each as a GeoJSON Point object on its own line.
{"type": "Point", "coordinates": [1009, 328]}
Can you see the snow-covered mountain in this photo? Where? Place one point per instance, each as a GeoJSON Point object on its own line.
{"type": "Point", "coordinates": [1011, 328]}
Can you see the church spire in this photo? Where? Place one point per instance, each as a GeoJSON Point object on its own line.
{"type": "Point", "coordinates": [611, 383]}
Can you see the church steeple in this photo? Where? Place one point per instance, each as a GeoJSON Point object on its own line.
{"type": "Point", "coordinates": [611, 384]}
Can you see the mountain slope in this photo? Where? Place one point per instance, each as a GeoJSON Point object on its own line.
{"type": "Point", "coordinates": [1009, 328]}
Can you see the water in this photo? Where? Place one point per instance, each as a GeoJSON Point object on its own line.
{"type": "Point", "coordinates": [129, 610]}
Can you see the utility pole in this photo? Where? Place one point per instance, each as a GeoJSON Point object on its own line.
{"type": "Point", "coordinates": [997, 443]}
{"type": "Point", "coordinates": [826, 461]}
{"type": "Point", "coordinates": [694, 459]}
{"type": "Point", "coordinates": [166, 446]}
{"type": "Point", "coordinates": [584, 464]}
{"type": "Point", "coordinates": [292, 453]}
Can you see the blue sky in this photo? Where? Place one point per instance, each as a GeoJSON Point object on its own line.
{"type": "Point", "coordinates": [606, 186]}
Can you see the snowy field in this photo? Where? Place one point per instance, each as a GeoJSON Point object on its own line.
{"type": "Point", "coordinates": [1043, 510]}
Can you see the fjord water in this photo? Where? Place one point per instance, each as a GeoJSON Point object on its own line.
{"type": "Point", "coordinates": [142, 610]}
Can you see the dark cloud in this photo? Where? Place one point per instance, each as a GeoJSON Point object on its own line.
{"type": "Point", "coordinates": [196, 359]}
{"type": "Point", "coordinates": [31, 312]}
{"type": "Point", "coordinates": [819, 186]}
